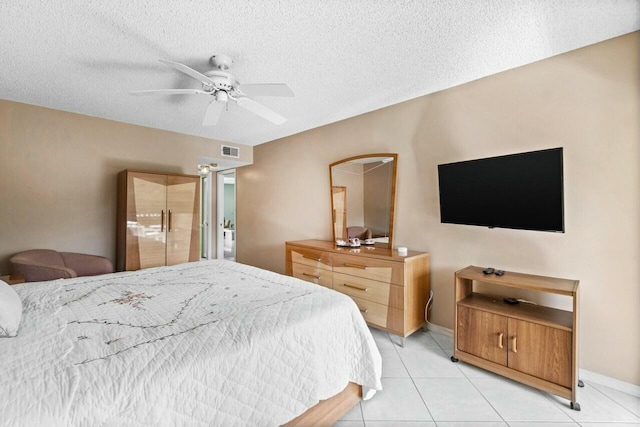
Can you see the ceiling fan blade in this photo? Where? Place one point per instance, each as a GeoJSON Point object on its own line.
{"type": "Point", "coordinates": [212, 115]}
{"type": "Point", "coordinates": [188, 71]}
{"type": "Point", "coordinates": [169, 92]}
{"type": "Point", "coordinates": [266, 89]}
{"type": "Point", "coordinates": [261, 110]}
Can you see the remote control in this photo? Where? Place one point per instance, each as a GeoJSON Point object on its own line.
{"type": "Point", "coordinates": [488, 270]}
{"type": "Point", "coordinates": [499, 272]}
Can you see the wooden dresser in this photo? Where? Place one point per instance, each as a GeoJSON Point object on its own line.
{"type": "Point", "coordinates": [390, 290]}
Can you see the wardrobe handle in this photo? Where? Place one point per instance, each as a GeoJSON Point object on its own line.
{"type": "Point", "coordinates": [500, 340]}
{"type": "Point", "coordinates": [365, 311]}
{"type": "Point", "coordinates": [514, 347]}
{"type": "Point", "coordinates": [162, 220]}
{"type": "Point", "coordinates": [169, 221]}
{"type": "Point", "coordinates": [355, 287]}
{"type": "Point", "coordinates": [312, 258]}
{"type": "Point", "coordinates": [361, 267]}
{"type": "Point", "coordinates": [311, 275]}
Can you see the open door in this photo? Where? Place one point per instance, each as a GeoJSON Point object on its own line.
{"type": "Point", "coordinates": [226, 215]}
{"type": "Point", "coordinates": [339, 195]}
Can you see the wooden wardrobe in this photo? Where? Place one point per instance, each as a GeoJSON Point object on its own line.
{"type": "Point", "coordinates": [158, 220]}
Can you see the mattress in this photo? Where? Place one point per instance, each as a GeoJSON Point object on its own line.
{"type": "Point", "coordinates": [205, 343]}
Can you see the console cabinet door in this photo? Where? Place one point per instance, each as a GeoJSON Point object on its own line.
{"type": "Point", "coordinates": [482, 334]}
{"type": "Point", "coordinates": [541, 351]}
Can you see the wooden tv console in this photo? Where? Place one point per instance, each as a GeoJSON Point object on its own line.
{"type": "Point", "coordinates": [533, 344]}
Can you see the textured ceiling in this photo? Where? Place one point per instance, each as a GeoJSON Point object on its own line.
{"type": "Point", "coordinates": [341, 58]}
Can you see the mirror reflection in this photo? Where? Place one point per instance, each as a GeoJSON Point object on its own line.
{"type": "Point", "coordinates": [362, 193]}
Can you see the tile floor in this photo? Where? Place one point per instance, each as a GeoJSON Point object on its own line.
{"type": "Point", "coordinates": [422, 387]}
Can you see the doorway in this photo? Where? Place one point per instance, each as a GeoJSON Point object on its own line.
{"type": "Point", "coordinates": [205, 216]}
{"type": "Point", "coordinates": [226, 215]}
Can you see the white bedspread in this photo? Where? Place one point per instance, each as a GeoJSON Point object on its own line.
{"type": "Point", "coordinates": [207, 343]}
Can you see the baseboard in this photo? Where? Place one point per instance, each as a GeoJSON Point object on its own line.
{"type": "Point", "coordinates": [613, 383]}
{"type": "Point", "coordinates": [439, 329]}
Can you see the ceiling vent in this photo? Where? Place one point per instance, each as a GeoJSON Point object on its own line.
{"type": "Point", "coordinates": [228, 151]}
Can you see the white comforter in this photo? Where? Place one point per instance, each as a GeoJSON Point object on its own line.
{"type": "Point", "coordinates": [207, 343]}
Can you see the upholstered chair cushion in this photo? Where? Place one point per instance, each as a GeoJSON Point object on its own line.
{"type": "Point", "coordinates": [45, 264]}
{"type": "Point", "coordinates": [361, 233]}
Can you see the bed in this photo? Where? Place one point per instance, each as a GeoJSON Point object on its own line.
{"type": "Point", "coordinates": [205, 343]}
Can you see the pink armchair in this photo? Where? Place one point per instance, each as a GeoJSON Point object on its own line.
{"type": "Point", "coordinates": [45, 264]}
{"type": "Point", "coordinates": [361, 233]}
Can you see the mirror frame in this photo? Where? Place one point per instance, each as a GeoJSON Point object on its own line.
{"type": "Point", "coordinates": [388, 245]}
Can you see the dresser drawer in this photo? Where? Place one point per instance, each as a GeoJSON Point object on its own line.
{"type": "Point", "coordinates": [369, 268]}
{"type": "Point", "coordinates": [370, 290]}
{"type": "Point", "coordinates": [318, 259]}
{"type": "Point", "coordinates": [315, 275]}
{"type": "Point", "coordinates": [373, 313]}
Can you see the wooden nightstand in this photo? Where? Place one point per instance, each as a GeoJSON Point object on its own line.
{"type": "Point", "coordinates": [13, 279]}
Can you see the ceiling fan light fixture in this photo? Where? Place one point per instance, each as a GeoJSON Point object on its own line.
{"type": "Point", "coordinates": [222, 86]}
{"type": "Point", "coordinates": [221, 62]}
{"type": "Point", "coordinates": [205, 169]}
{"type": "Point", "coordinates": [221, 96]}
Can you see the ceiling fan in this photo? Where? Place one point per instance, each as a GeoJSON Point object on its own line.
{"type": "Point", "coordinates": [223, 86]}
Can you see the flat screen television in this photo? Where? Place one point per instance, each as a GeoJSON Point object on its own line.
{"type": "Point", "coordinates": [522, 191]}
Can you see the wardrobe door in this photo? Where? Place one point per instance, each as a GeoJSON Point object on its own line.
{"type": "Point", "coordinates": [146, 220]}
{"type": "Point", "coordinates": [183, 219]}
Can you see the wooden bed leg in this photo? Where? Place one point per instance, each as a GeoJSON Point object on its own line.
{"type": "Point", "coordinates": [328, 412]}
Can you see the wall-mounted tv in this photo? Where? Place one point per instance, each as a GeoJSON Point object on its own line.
{"type": "Point", "coordinates": [522, 191]}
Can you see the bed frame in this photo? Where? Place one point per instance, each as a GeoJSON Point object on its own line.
{"type": "Point", "coordinates": [328, 412]}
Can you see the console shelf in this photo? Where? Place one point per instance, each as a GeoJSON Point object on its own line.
{"type": "Point", "coordinates": [533, 344]}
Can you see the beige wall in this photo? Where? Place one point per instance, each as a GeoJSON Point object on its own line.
{"type": "Point", "coordinates": [58, 175]}
{"type": "Point", "coordinates": [585, 101]}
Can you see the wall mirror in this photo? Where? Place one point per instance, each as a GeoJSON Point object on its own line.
{"type": "Point", "coordinates": [363, 190]}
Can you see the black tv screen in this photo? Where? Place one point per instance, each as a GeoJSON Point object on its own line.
{"type": "Point", "coordinates": [522, 191]}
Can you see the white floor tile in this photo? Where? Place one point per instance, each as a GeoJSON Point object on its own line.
{"type": "Point", "coordinates": [471, 371]}
{"type": "Point", "coordinates": [630, 402]}
{"type": "Point", "coordinates": [451, 399]}
{"type": "Point", "coordinates": [595, 407]}
{"type": "Point", "coordinates": [517, 402]}
{"type": "Point", "coordinates": [541, 424]}
{"type": "Point", "coordinates": [342, 423]}
{"type": "Point", "coordinates": [382, 339]}
{"type": "Point", "coordinates": [398, 401]}
{"type": "Point", "coordinates": [392, 366]}
{"type": "Point", "coordinates": [471, 424]}
{"type": "Point", "coordinates": [461, 395]}
{"type": "Point", "coordinates": [419, 340]}
{"type": "Point", "coordinates": [355, 414]}
{"type": "Point", "coordinates": [429, 363]}
{"type": "Point", "coordinates": [444, 341]}
{"type": "Point", "coordinates": [401, 424]}
{"type": "Point", "coordinates": [609, 424]}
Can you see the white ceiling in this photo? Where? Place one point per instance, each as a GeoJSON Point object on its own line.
{"type": "Point", "coordinates": [341, 58]}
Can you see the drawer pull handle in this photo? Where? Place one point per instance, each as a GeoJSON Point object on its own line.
{"type": "Point", "coordinates": [515, 345]}
{"type": "Point", "coordinates": [312, 258]}
{"type": "Point", "coordinates": [361, 267]}
{"type": "Point", "coordinates": [365, 311]}
{"type": "Point", "coordinates": [500, 340]}
{"type": "Point", "coordinates": [346, 285]}
{"type": "Point", "coordinates": [311, 275]}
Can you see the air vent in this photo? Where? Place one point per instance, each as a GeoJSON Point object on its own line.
{"type": "Point", "coordinates": [228, 151]}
